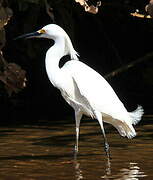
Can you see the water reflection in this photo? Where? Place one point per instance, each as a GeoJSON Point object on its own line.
{"type": "Point", "coordinates": [133, 172]}
{"type": "Point", "coordinates": [78, 172]}
{"type": "Point", "coordinates": [45, 152]}
{"type": "Point", "coordinates": [108, 167]}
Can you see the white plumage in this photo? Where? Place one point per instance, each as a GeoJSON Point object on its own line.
{"type": "Point", "coordinates": [83, 88]}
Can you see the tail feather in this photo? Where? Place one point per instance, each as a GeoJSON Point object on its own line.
{"type": "Point", "coordinates": [136, 115]}
{"type": "Point", "coordinates": [125, 129]}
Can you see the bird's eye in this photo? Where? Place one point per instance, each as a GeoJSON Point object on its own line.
{"type": "Point", "coordinates": [42, 31]}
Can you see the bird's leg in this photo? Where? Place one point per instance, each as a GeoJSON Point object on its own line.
{"type": "Point", "coordinates": [106, 145]}
{"type": "Point", "coordinates": [78, 116]}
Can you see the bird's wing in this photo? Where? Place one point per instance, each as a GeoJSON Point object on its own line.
{"type": "Point", "coordinates": [82, 99]}
{"type": "Point", "coordinates": [94, 88]}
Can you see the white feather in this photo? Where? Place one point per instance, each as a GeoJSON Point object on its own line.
{"type": "Point", "coordinates": [84, 88]}
{"type": "Point", "coordinates": [102, 97]}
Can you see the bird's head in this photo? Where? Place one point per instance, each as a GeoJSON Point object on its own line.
{"type": "Point", "coordinates": [54, 32]}
{"type": "Point", "coordinates": [51, 31]}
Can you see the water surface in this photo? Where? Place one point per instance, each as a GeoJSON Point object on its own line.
{"type": "Point", "coordinates": [35, 152]}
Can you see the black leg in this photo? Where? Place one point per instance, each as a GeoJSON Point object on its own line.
{"type": "Point", "coordinates": [106, 148]}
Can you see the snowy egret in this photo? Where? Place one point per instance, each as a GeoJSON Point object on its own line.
{"type": "Point", "coordinates": [83, 88]}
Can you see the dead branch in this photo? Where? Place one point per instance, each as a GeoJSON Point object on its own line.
{"type": "Point", "coordinates": [89, 8]}
{"type": "Point", "coordinates": [135, 14]}
{"type": "Point", "coordinates": [11, 74]}
{"type": "Point", "coordinates": [49, 11]}
{"type": "Point", "coordinates": [122, 69]}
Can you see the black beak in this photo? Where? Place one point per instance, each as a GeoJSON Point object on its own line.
{"type": "Point", "coordinates": [29, 35]}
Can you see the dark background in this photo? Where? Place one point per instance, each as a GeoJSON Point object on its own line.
{"type": "Point", "coordinates": [105, 41]}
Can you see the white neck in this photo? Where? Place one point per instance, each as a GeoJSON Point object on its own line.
{"type": "Point", "coordinates": [61, 47]}
{"type": "Point", "coordinates": [53, 56]}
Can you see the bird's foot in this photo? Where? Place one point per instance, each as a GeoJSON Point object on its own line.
{"type": "Point", "coordinates": [76, 149]}
{"type": "Point", "coordinates": [107, 150]}
{"type": "Point", "coordinates": [75, 152]}
{"type": "Point", "coordinates": [106, 147]}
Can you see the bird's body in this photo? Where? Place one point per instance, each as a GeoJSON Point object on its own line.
{"type": "Point", "coordinates": [85, 89]}
{"type": "Point", "coordinates": [78, 87]}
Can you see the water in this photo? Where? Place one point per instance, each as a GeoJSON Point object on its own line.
{"type": "Point", "coordinates": [45, 152]}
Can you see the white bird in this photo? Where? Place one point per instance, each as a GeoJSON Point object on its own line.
{"type": "Point", "coordinates": [83, 88]}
